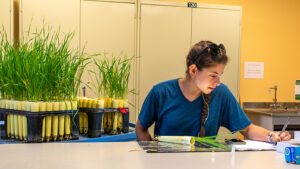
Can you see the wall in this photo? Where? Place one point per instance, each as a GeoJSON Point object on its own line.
{"type": "Point", "coordinates": [6, 17]}
{"type": "Point", "coordinates": [270, 34]}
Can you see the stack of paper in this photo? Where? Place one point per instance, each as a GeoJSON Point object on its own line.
{"type": "Point", "coordinates": [255, 146]}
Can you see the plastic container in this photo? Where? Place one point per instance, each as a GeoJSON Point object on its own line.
{"type": "Point", "coordinates": [95, 120]}
{"type": "Point", "coordinates": [125, 120]}
{"type": "Point", "coordinates": [35, 123]}
{"type": "Point", "coordinates": [292, 155]}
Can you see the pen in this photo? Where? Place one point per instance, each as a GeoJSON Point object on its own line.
{"type": "Point", "coordinates": [285, 125]}
{"type": "Point", "coordinates": [283, 128]}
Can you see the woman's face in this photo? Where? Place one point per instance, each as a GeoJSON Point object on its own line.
{"type": "Point", "coordinates": [208, 78]}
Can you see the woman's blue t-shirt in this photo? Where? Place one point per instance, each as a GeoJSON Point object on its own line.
{"type": "Point", "coordinates": [175, 115]}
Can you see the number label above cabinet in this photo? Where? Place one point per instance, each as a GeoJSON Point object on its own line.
{"type": "Point", "coordinates": [192, 4]}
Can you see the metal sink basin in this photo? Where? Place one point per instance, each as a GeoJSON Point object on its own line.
{"type": "Point", "coordinates": [282, 111]}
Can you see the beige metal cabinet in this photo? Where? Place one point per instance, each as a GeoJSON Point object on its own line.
{"type": "Point", "coordinates": [57, 13]}
{"type": "Point", "coordinates": [109, 27]}
{"type": "Point", "coordinates": [221, 24]}
{"type": "Point", "coordinates": [164, 42]}
{"type": "Point", "coordinates": [6, 17]}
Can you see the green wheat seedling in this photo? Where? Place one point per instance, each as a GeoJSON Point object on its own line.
{"type": "Point", "coordinates": [43, 67]}
{"type": "Point", "coordinates": [112, 75]}
{"type": "Point", "coordinates": [213, 141]}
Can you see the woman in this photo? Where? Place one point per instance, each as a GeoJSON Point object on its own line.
{"type": "Point", "coordinates": [181, 107]}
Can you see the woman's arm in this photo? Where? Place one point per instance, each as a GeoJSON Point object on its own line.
{"type": "Point", "coordinates": [141, 132]}
{"type": "Point", "coordinates": [254, 132]}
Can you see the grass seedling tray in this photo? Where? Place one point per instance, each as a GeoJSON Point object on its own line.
{"type": "Point", "coordinates": [35, 123]}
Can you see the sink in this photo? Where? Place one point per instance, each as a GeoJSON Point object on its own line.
{"type": "Point", "coordinates": [275, 111]}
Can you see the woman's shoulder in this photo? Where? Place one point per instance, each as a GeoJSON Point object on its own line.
{"type": "Point", "coordinates": [169, 85]}
{"type": "Point", "coordinates": [221, 89]}
{"type": "Point", "coordinates": [223, 94]}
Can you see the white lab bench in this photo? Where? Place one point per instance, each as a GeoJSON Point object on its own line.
{"type": "Point", "coordinates": [128, 155]}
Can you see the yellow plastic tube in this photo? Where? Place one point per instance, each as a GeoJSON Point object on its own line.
{"type": "Point", "coordinates": [20, 121]}
{"type": "Point", "coordinates": [68, 121]}
{"type": "Point", "coordinates": [104, 122]}
{"type": "Point", "coordinates": [74, 105]}
{"type": "Point", "coordinates": [81, 122]}
{"type": "Point", "coordinates": [95, 102]}
{"type": "Point", "coordinates": [48, 122]}
{"type": "Point", "coordinates": [125, 104]}
{"type": "Point", "coordinates": [121, 103]}
{"type": "Point", "coordinates": [120, 117]}
{"type": "Point", "coordinates": [35, 107]}
{"type": "Point", "coordinates": [55, 121]}
{"type": "Point", "coordinates": [90, 103]}
{"type": "Point", "coordinates": [85, 123]}
{"type": "Point", "coordinates": [43, 109]}
{"type": "Point", "coordinates": [25, 107]}
{"type": "Point", "coordinates": [80, 102]}
{"type": "Point", "coordinates": [25, 128]}
{"type": "Point", "coordinates": [67, 127]}
{"type": "Point", "coordinates": [61, 121]}
{"type": "Point", "coordinates": [100, 104]}
{"type": "Point", "coordinates": [115, 104]}
{"type": "Point", "coordinates": [84, 102]}
{"type": "Point", "coordinates": [8, 126]}
{"type": "Point", "coordinates": [187, 140]}
{"type": "Point", "coordinates": [16, 126]}
{"type": "Point", "coordinates": [81, 116]}
{"type": "Point", "coordinates": [11, 118]}
{"type": "Point", "coordinates": [120, 122]}
{"type": "Point", "coordinates": [110, 116]}
{"type": "Point", "coordinates": [16, 122]}
{"type": "Point", "coordinates": [109, 102]}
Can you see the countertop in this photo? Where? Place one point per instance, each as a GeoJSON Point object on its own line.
{"type": "Point", "coordinates": [128, 155]}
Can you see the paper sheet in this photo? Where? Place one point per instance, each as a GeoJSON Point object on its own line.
{"type": "Point", "coordinates": [254, 70]}
{"type": "Point", "coordinates": [255, 146]}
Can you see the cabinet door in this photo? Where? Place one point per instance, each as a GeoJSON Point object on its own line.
{"type": "Point", "coordinates": [6, 17]}
{"type": "Point", "coordinates": [109, 27]}
{"type": "Point", "coordinates": [63, 13]}
{"type": "Point", "coordinates": [164, 43]}
{"type": "Point", "coordinates": [221, 26]}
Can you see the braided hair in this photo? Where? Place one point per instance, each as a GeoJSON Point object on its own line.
{"type": "Point", "coordinates": [205, 54]}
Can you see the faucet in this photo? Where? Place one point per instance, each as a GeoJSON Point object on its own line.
{"type": "Point", "coordinates": [274, 105]}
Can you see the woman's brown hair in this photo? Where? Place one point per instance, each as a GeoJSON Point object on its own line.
{"type": "Point", "coordinates": [205, 54]}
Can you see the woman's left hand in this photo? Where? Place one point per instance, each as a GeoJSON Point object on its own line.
{"type": "Point", "coordinates": [285, 136]}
